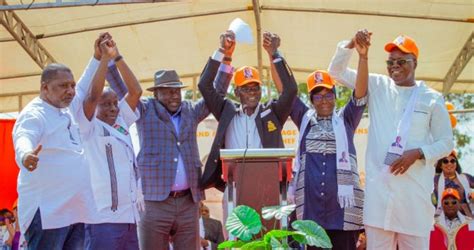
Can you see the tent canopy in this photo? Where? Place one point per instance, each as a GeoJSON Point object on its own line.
{"type": "Point", "coordinates": [182, 35]}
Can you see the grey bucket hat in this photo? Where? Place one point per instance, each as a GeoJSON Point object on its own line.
{"type": "Point", "coordinates": [166, 79]}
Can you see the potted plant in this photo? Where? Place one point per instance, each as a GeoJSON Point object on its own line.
{"type": "Point", "coordinates": [244, 223]}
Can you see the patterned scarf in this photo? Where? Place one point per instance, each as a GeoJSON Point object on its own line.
{"type": "Point", "coordinates": [345, 182]}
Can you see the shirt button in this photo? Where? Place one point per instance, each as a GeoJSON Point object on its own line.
{"type": "Point", "coordinates": [324, 173]}
{"type": "Point", "coordinates": [175, 159]}
{"type": "Point", "coordinates": [322, 194]}
{"type": "Point", "coordinates": [178, 143]}
{"type": "Point", "coordinates": [215, 160]}
{"type": "Point", "coordinates": [322, 184]}
{"type": "Point", "coordinates": [324, 154]}
{"type": "Point", "coordinates": [324, 163]}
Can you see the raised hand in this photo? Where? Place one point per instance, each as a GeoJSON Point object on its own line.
{"type": "Point", "coordinates": [30, 160]}
{"type": "Point", "coordinates": [102, 36]}
{"type": "Point", "coordinates": [227, 43]}
{"type": "Point", "coordinates": [362, 37]}
{"type": "Point", "coordinates": [362, 42]}
{"type": "Point", "coordinates": [271, 42]}
{"type": "Point", "coordinates": [108, 49]}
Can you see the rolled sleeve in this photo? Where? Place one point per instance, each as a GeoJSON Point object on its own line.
{"type": "Point", "coordinates": [359, 102]}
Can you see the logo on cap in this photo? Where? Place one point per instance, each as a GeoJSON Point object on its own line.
{"type": "Point", "coordinates": [248, 73]}
{"type": "Point", "coordinates": [400, 40]}
{"type": "Point", "coordinates": [318, 77]}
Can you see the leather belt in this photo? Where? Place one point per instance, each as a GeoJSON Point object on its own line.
{"type": "Point", "coordinates": [180, 193]}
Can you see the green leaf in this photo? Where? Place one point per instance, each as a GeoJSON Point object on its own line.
{"type": "Point", "coordinates": [277, 212]}
{"type": "Point", "coordinates": [275, 244]}
{"type": "Point", "coordinates": [314, 234]}
{"type": "Point", "coordinates": [231, 244]}
{"type": "Point", "coordinates": [277, 234]}
{"type": "Point", "coordinates": [300, 238]}
{"type": "Point", "coordinates": [243, 223]}
{"type": "Point", "coordinates": [256, 245]}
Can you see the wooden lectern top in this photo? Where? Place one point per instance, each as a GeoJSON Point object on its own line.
{"type": "Point", "coordinates": [257, 153]}
{"type": "Point", "coordinates": [282, 156]}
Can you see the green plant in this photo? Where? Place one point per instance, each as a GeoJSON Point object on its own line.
{"type": "Point", "coordinates": [244, 223]}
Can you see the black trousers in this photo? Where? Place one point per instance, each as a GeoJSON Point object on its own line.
{"type": "Point", "coordinates": [341, 240]}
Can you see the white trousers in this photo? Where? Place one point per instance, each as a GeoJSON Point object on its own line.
{"type": "Point", "coordinates": [378, 238]}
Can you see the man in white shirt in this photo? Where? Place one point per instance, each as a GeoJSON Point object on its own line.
{"type": "Point", "coordinates": [104, 125]}
{"type": "Point", "coordinates": [399, 180]}
{"type": "Point", "coordinates": [54, 190]}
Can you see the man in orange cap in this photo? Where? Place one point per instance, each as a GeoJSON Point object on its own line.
{"type": "Point", "coordinates": [250, 124]}
{"type": "Point", "coordinates": [451, 218]}
{"type": "Point", "coordinates": [398, 173]}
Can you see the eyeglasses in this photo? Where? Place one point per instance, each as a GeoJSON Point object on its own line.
{"type": "Point", "coordinates": [247, 90]}
{"type": "Point", "coordinates": [328, 97]}
{"type": "Point", "coordinates": [400, 62]}
{"type": "Point", "coordinates": [453, 202]}
{"type": "Point", "coordinates": [446, 161]}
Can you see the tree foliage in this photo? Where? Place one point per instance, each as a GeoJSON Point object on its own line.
{"type": "Point", "coordinates": [462, 139]}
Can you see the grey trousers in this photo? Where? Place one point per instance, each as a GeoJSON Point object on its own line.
{"type": "Point", "coordinates": [174, 220]}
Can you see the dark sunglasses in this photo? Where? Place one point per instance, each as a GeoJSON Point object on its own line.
{"type": "Point", "coordinates": [329, 96]}
{"type": "Point", "coordinates": [446, 161]}
{"type": "Point", "coordinates": [400, 62]}
{"type": "Point", "coordinates": [453, 202]}
{"type": "Point", "coordinates": [247, 90]}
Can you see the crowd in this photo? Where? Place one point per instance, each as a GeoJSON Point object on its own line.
{"type": "Point", "coordinates": [81, 186]}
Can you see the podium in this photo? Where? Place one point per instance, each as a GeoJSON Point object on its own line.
{"type": "Point", "coordinates": [257, 178]}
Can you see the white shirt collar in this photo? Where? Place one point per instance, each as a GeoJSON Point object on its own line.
{"type": "Point", "coordinates": [241, 112]}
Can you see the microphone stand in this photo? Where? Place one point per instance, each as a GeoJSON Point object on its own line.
{"type": "Point", "coordinates": [244, 109]}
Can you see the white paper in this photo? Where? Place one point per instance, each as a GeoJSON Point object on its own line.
{"type": "Point", "coordinates": [471, 225]}
{"type": "Point", "coordinates": [243, 32]}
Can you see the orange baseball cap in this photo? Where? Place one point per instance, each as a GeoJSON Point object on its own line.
{"type": "Point", "coordinates": [450, 192]}
{"type": "Point", "coordinates": [319, 78]}
{"type": "Point", "coordinates": [404, 43]}
{"type": "Point", "coordinates": [245, 75]}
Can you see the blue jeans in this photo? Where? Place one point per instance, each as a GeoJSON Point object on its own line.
{"type": "Point", "coordinates": [68, 238]}
{"type": "Point", "coordinates": [117, 236]}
